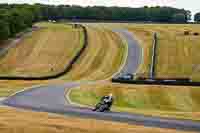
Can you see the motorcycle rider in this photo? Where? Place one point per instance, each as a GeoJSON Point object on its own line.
{"type": "Point", "coordinates": [108, 100]}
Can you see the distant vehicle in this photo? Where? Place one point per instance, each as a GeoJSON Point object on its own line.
{"type": "Point", "coordinates": [127, 76]}
{"type": "Point", "coordinates": [52, 21]}
{"type": "Point", "coordinates": [105, 104]}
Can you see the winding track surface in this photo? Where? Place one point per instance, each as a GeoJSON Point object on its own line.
{"type": "Point", "coordinates": [134, 57]}
{"type": "Point", "coordinates": [51, 99]}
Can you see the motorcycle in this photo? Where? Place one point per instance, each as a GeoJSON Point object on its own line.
{"type": "Point", "coordinates": [103, 105]}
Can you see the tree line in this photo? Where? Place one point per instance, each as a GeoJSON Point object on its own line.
{"type": "Point", "coordinates": [197, 17]}
{"type": "Point", "coordinates": [15, 18]}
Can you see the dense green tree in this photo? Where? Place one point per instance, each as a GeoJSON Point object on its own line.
{"type": "Point", "coordinates": [4, 30]}
{"type": "Point", "coordinates": [197, 17]}
{"type": "Point", "coordinates": [4, 26]}
{"type": "Point", "coordinates": [17, 17]}
{"type": "Point", "coordinates": [179, 18]}
{"type": "Point", "coordinates": [16, 21]}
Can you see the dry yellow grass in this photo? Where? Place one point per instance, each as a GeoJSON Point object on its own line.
{"type": "Point", "coordinates": [101, 59]}
{"type": "Point", "coordinates": [20, 121]}
{"type": "Point", "coordinates": [50, 47]}
{"type": "Point", "coordinates": [144, 37]}
{"type": "Point", "coordinates": [177, 57]}
{"type": "Point", "coordinates": [166, 101]}
{"type": "Point", "coordinates": [15, 121]}
{"type": "Point", "coordinates": [44, 52]}
{"type": "Point", "coordinates": [177, 54]}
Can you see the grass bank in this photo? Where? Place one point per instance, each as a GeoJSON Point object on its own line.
{"type": "Point", "coordinates": [44, 52]}
{"type": "Point", "coordinates": [101, 59]}
{"type": "Point", "coordinates": [177, 54]}
{"type": "Point", "coordinates": [15, 121]}
{"type": "Point", "coordinates": [165, 101]}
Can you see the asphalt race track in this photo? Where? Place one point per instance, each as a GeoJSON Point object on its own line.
{"type": "Point", "coordinates": [51, 99]}
{"type": "Point", "coordinates": [134, 53]}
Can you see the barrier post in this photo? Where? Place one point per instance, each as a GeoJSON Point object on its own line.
{"type": "Point", "coordinates": [153, 60]}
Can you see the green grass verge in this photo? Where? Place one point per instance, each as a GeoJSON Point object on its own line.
{"type": "Point", "coordinates": [165, 101]}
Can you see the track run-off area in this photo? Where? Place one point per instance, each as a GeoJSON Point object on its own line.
{"type": "Point", "coordinates": [51, 98]}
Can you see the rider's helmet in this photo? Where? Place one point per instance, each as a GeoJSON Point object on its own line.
{"type": "Point", "coordinates": [110, 95]}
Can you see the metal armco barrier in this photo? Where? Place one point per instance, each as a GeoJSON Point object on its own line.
{"type": "Point", "coordinates": [168, 82]}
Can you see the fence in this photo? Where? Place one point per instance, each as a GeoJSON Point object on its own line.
{"type": "Point", "coordinates": [168, 82]}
